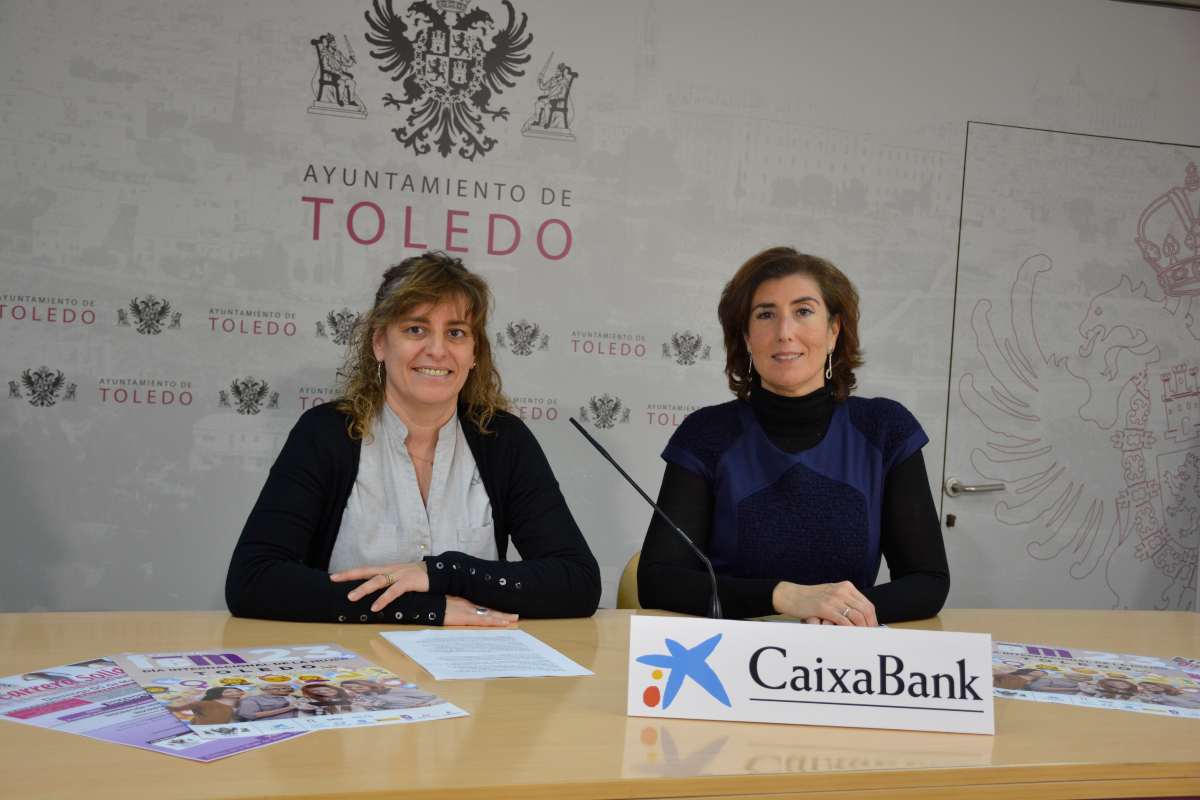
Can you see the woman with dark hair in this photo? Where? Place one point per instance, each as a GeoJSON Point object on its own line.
{"type": "Point", "coordinates": [321, 699]}
{"type": "Point", "coordinates": [217, 706]}
{"type": "Point", "coordinates": [1020, 679]}
{"type": "Point", "coordinates": [398, 502]}
{"type": "Point", "coordinates": [796, 489]}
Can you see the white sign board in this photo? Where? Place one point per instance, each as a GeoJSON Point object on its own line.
{"type": "Point", "coordinates": [810, 674]}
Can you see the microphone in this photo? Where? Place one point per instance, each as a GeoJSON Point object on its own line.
{"type": "Point", "coordinates": [714, 606]}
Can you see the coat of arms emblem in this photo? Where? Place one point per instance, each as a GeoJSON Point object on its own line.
{"type": "Point", "coordinates": [249, 394]}
{"type": "Point", "coordinates": [522, 337]}
{"type": "Point", "coordinates": [149, 315]}
{"type": "Point", "coordinates": [42, 387]}
{"type": "Point", "coordinates": [338, 325]}
{"type": "Point", "coordinates": [686, 348]}
{"type": "Point", "coordinates": [440, 54]}
{"type": "Point", "coordinates": [604, 411]}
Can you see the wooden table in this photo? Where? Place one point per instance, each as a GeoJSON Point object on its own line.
{"type": "Point", "coordinates": [569, 737]}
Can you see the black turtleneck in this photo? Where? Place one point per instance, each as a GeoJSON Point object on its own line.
{"type": "Point", "coordinates": [670, 577]}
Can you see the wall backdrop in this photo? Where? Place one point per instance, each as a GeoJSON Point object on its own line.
{"type": "Point", "coordinates": [199, 198]}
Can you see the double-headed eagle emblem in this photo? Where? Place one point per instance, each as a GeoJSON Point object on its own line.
{"type": "Point", "coordinates": [446, 70]}
{"type": "Point", "coordinates": [43, 386]}
{"type": "Point", "coordinates": [339, 325]}
{"type": "Point", "coordinates": [605, 411]}
{"type": "Point", "coordinates": [522, 337]}
{"type": "Point", "coordinates": [149, 313]}
{"type": "Point", "coordinates": [249, 393]}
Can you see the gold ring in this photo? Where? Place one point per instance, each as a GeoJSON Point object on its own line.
{"type": "Point", "coordinates": [390, 579]}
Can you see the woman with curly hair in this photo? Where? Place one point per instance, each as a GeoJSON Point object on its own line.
{"type": "Point", "coordinates": [398, 502]}
{"type": "Point", "coordinates": [796, 489]}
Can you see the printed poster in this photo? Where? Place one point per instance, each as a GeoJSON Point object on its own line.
{"type": "Point", "coordinates": [1096, 679]}
{"type": "Point", "coordinates": [273, 690]}
{"type": "Point", "coordinates": [95, 698]}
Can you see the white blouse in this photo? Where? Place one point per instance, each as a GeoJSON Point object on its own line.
{"type": "Point", "coordinates": [385, 521]}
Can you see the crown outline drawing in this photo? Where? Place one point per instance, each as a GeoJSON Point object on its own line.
{"type": "Point", "coordinates": [1173, 215]}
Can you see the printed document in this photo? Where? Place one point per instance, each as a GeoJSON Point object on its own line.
{"type": "Point", "coordinates": [455, 655]}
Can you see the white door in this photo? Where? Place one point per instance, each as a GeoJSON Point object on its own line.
{"type": "Point", "coordinates": [1074, 388]}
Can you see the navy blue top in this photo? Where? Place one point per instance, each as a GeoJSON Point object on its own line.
{"type": "Point", "coordinates": [808, 517]}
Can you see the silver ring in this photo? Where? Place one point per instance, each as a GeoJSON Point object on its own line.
{"type": "Point", "coordinates": [481, 611]}
{"type": "Point", "coordinates": [846, 613]}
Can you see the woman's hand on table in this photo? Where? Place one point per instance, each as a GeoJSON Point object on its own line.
{"type": "Point", "coordinates": [460, 611]}
{"type": "Point", "coordinates": [824, 603]}
{"type": "Point", "coordinates": [392, 580]}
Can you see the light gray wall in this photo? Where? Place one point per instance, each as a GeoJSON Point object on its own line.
{"type": "Point", "coordinates": [161, 149]}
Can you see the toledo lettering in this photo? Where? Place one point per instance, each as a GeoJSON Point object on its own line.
{"type": "Point", "coordinates": [53, 310]}
{"type": "Point", "coordinates": [668, 414]}
{"type": "Point", "coordinates": [251, 322]}
{"type": "Point", "coordinates": [608, 344]}
{"type": "Point", "coordinates": [769, 668]}
{"type": "Point", "coordinates": [145, 392]}
{"type": "Point", "coordinates": [535, 409]}
{"type": "Point", "coordinates": [312, 396]}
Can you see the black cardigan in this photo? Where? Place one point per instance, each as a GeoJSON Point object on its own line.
{"type": "Point", "coordinates": [279, 568]}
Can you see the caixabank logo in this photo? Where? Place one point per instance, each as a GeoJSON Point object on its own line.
{"type": "Point", "coordinates": [773, 669]}
{"type": "Point", "coordinates": [810, 675]}
{"type": "Point", "coordinates": [452, 61]}
{"type": "Point", "coordinates": [682, 663]}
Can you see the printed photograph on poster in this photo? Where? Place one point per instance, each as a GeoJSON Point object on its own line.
{"type": "Point", "coordinates": [268, 690]}
{"type": "Point", "coordinates": [1091, 678]}
{"type": "Point", "coordinates": [95, 698]}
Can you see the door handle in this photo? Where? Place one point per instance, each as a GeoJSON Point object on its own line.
{"type": "Point", "coordinates": [954, 487]}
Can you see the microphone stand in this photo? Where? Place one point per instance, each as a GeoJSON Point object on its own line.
{"type": "Point", "coordinates": [714, 606]}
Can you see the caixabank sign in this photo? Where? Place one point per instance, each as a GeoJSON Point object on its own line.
{"type": "Point", "coordinates": [810, 674]}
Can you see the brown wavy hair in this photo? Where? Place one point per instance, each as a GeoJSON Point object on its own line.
{"type": "Point", "coordinates": [431, 277]}
{"type": "Point", "coordinates": [838, 293]}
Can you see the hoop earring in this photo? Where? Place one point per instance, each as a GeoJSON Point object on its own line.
{"type": "Point", "coordinates": [749, 367]}
{"type": "Point", "coordinates": [379, 372]}
{"type": "Point", "coordinates": [829, 367]}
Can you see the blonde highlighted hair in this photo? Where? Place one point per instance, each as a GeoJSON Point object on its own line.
{"type": "Point", "coordinates": [429, 278]}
